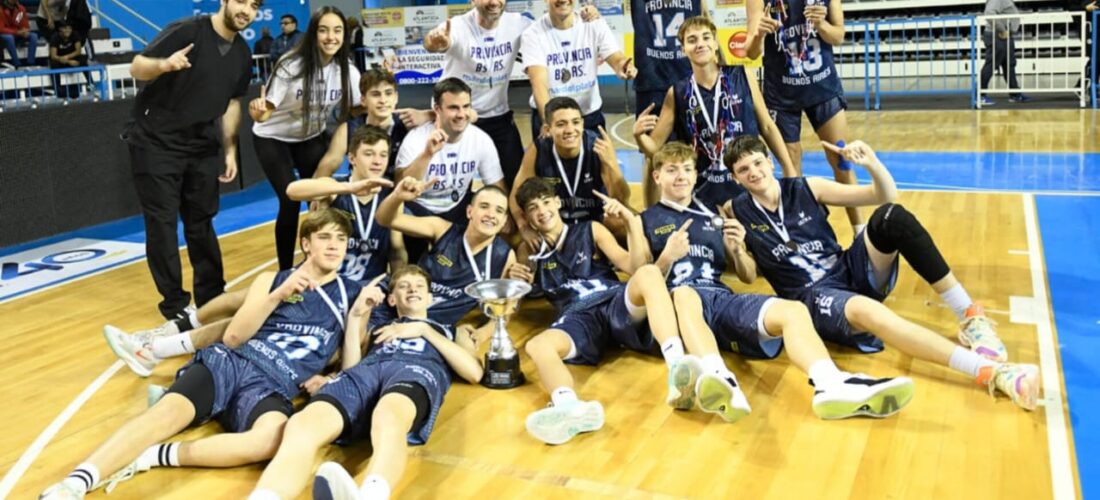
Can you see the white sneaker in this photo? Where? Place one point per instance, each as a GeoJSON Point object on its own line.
{"type": "Point", "coordinates": [720, 395]}
{"type": "Point", "coordinates": [860, 394]}
{"type": "Point", "coordinates": [681, 382]}
{"type": "Point", "coordinates": [332, 482]}
{"type": "Point", "coordinates": [125, 474]}
{"type": "Point", "coordinates": [62, 491]}
{"type": "Point", "coordinates": [154, 393]}
{"type": "Point", "coordinates": [557, 424]}
{"type": "Point", "coordinates": [135, 350]}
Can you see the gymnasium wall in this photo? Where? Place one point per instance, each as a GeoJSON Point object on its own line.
{"type": "Point", "coordinates": [64, 168]}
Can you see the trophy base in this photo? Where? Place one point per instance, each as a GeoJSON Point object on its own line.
{"type": "Point", "coordinates": [502, 373]}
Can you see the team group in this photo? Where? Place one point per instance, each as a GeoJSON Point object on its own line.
{"type": "Point", "coordinates": [555, 214]}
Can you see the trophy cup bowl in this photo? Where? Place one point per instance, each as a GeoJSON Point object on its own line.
{"type": "Point", "coordinates": [498, 299]}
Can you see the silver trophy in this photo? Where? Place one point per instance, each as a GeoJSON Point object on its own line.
{"type": "Point", "coordinates": [498, 299]}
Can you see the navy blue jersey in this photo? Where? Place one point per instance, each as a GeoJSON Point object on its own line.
{"type": "Point", "coordinates": [452, 271]}
{"type": "Point", "coordinates": [657, 52]}
{"type": "Point", "coordinates": [706, 258]}
{"type": "Point", "coordinates": [414, 351]}
{"type": "Point", "coordinates": [397, 136]}
{"type": "Point", "coordinates": [575, 274]}
{"type": "Point", "coordinates": [736, 117]}
{"type": "Point", "coordinates": [790, 271]}
{"type": "Point", "coordinates": [582, 205]}
{"type": "Point", "coordinates": [802, 73]}
{"type": "Point", "coordinates": [299, 337]}
{"type": "Point", "coordinates": [368, 254]}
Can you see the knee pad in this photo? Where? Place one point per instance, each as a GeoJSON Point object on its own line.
{"type": "Point", "coordinates": [892, 228]}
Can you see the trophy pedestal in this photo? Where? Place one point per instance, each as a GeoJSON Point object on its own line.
{"type": "Point", "coordinates": [503, 373]}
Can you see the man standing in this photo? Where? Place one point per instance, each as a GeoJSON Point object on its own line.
{"type": "Point", "coordinates": [194, 72]}
{"type": "Point", "coordinates": [288, 39]}
{"type": "Point", "coordinates": [1000, 48]}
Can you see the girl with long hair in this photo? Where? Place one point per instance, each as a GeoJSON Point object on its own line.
{"type": "Point", "coordinates": [306, 87]}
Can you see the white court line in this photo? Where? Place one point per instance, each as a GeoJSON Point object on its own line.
{"type": "Point", "coordinates": [615, 132]}
{"type": "Point", "coordinates": [1019, 252]}
{"type": "Point", "coordinates": [39, 444]}
{"type": "Point", "coordinates": [1061, 468]}
{"type": "Point", "coordinates": [44, 438]}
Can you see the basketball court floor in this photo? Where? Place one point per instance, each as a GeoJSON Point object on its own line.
{"type": "Point", "coordinates": [1012, 198]}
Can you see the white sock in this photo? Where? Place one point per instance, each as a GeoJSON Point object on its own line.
{"type": "Point", "coordinates": [958, 300]}
{"type": "Point", "coordinates": [714, 363]}
{"type": "Point", "coordinates": [673, 350]}
{"type": "Point", "coordinates": [968, 362]}
{"type": "Point", "coordinates": [85, 474]}
{"type": "Point", "coordinates": [856, 228]}
{"type": "Point", "coordinates": [170, 346]}
{"type": "Point", "coordinates": [824, 373]}
{"type": "Point", "coordinates": [160, 455]}
{"type": "Point", "coordinates": [259, 494]}
{"type": "Point", "coordinates": [375, 487]}
{"type": "Point", "coordinates": [562, 395]}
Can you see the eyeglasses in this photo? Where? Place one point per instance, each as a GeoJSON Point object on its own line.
{"type": "Point", "coordinates": [286, 22]}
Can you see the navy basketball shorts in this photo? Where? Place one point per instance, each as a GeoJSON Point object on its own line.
{"type": "Point", "coordinates": [356, 392]}
{"type": "Point", "coordinates": [789, 121]}
{"type": "Point", "coordinates": [737, 320]}
{"type": "Point", "coordinates": [239, 386]}
{"type": "Point", "coordinates": [594, 329]}
{"type": "Point", "coordinates": [853, 275]}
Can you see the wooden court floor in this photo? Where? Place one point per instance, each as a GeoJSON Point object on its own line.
{"type": "Point", "coordinates": [953, 441]}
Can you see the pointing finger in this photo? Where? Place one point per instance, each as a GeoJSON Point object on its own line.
{"type": "Point", "coordinates": [683, 229]}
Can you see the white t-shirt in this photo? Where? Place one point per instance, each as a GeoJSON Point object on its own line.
{"type": "Point", "coordinates": [571, 57]}
{"type": "Point", "coordinates": [455, 165]}
{"type": "Point", "coordinates": [484, 58]}
{"type": "Point", "coordinates": [285, 92]}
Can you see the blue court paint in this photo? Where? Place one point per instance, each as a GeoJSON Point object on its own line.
{"type": "Point", "coordinates": [1070, 230]}
{"type": "Point", "coordinates": [254, 205]}
{"type": "Point", "coordinates": [1033, 172]}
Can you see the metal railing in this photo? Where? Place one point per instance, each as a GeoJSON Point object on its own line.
{"type": "Point", "coordinates": [1052, 56]}
{"type": "Point", "coordinates": [923, 56]}
{"type": "Point", "coordinates": [52, 86]}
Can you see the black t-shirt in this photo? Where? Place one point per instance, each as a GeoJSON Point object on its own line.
{"type": "Point", "coordinates": [176, 112]}
{"type": "Point", "coordinates": [64, 46]}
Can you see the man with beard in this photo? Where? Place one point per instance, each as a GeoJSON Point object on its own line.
{"type": "Point", "coordinates": [195, 72]}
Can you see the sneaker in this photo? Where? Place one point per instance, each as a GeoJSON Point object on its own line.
{"type": "Point", "coordinates": [154, 393]}
{"type": "Point", "coordinates": [860, 394]}
{"type": "Point", "coordinates": [332, 482]}
{"type": "Point", "coordinates": [135, 350]}
{"type": "Point", "coordinates": [62, 491]}
{"type": "Point", "coordinates": [1018, 98]}
{"type": "Point", "coordinates": [1018, 381]}
{"type": "Point", "coordinates": [977, 333]}
{"type": "Point", "coordinates": [557, 424]}
{"type": "Point", "coordinates": [682, 376]}
{"type": "Point", "coordinates": [125, 474]}
{"type": "Point", "coordinates": [987, 101]}
{"type": "Point", "coordinates": [720, 395]}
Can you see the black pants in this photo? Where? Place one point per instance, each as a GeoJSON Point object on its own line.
{"type": "Point", "coordinates": [171, 187]}
{"type": "Point", "coordinates": [72, 90]}
{"type": "Point", "coordinates": [279, 160]}
{"type": "Point", "coordinates": [1000, 54]}
{"type": "Point", "coordinates": [502, 129]}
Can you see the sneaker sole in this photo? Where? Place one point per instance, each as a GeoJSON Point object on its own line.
{"type": "Point", "coordinates": [715, 396]}
{"type": "Point", "coordinates": [559, 428]}
{"type": "Point", "coordinates": [332, 482]}
{"type": "Point", "coordinates": [112, 336]}
{"type": "Point", "coordinates": [888, 400]}
{"type": "Point", "coordinates": [683, 378]}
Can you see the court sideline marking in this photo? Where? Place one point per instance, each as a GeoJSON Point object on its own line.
{"type": "Point", "coordinates": [16, 473]}
{"type": "Point", "coordinates": [1061, 468]}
